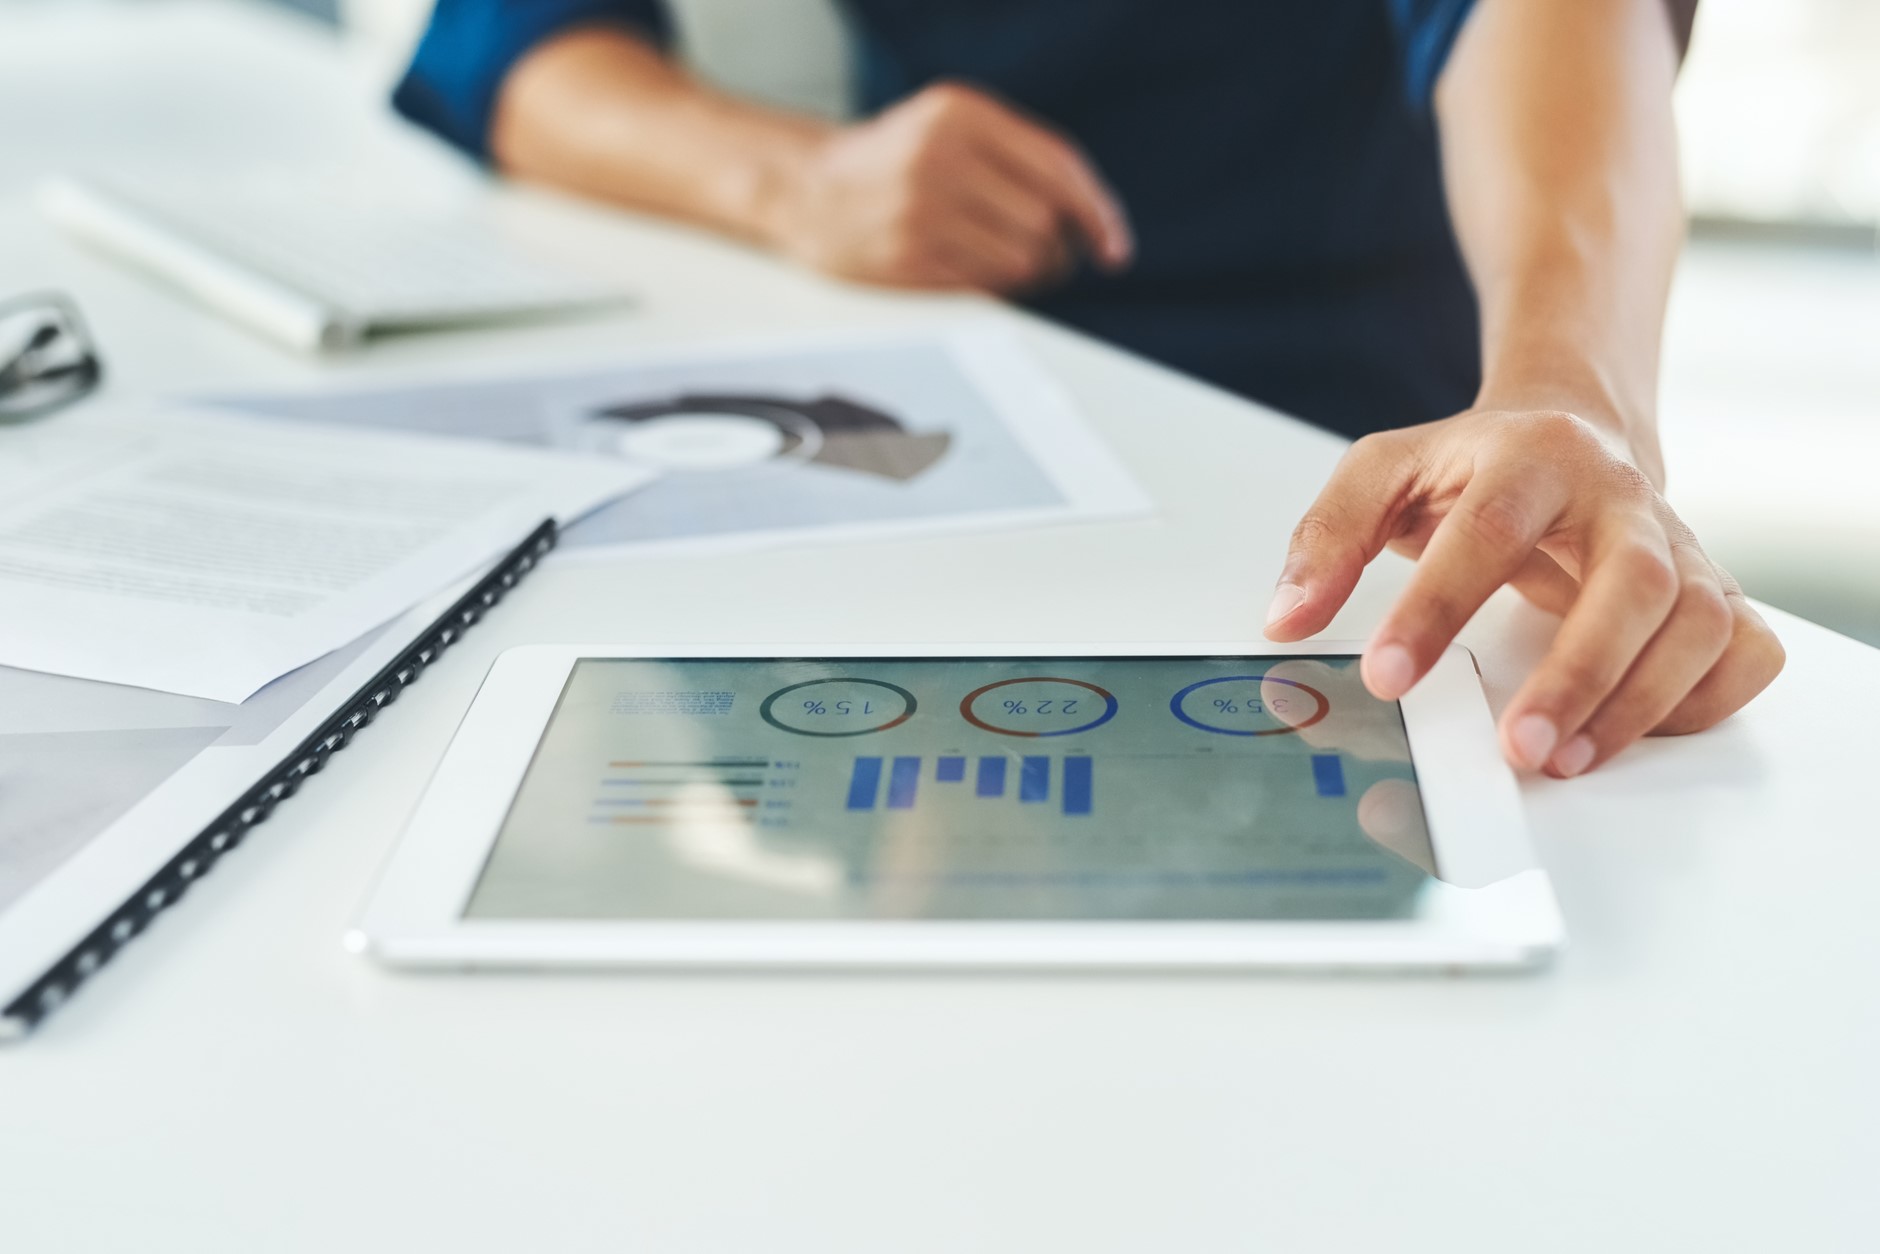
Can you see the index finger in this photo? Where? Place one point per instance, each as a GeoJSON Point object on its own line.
{"type": "Point", "coordinates": [1058, 171]}
{"type": "Point", "coordinates": [1482, 543]}
{"type": "Point", "coordinates": [1348, 525]}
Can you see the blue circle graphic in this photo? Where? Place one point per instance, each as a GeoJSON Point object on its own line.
{"type": "Point", "coordinates": [1175, 705]}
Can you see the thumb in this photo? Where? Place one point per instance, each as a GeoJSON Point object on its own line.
{"type": "Point", "coordinates": [1349, 524]}
{"type": "Point", "coordinates": [1059, 172]}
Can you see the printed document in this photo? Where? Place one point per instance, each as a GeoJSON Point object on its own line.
{"type": "Point", "coordinates": [864, 436]}
{"type": "Point", "coordinates": [206, 554]}
{"type": "Point", "coordinates": [101, 784]}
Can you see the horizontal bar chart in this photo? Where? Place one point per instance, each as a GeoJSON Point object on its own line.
{"type": "Point", "coordinates": [673, 793]}
{"type": "Point", "coordinates": [721, 764]}
{"type": "Point", "coordinates": [688, 819]}
{"type": "Point", "coordinates": [682, 783]}
{"type": "Point", "coordinates": [658, 802]}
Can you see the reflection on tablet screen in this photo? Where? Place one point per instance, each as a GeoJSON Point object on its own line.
{"type": "Point", "coordinates": [1073, 788]}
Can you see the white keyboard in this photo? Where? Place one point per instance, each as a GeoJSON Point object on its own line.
{"type": "Point", "coordinates": [314, 269]}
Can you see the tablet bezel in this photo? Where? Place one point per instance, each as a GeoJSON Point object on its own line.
{"type": "Point", "coordinates": [1493, 906]}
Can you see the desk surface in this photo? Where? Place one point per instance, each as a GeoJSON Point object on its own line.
{"type": "Point", "coordinates": [1697, 1073]}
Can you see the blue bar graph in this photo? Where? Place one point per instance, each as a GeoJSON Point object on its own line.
{"type": "Point", "coordinates": [1034, 779]}
{"type": "Point", "coordinates": [1077, 781]}
{"type": "Point", "coordinates": [864, 783]}
{"type": "Point", "coordinates": [991, 778]}
{"type": "Point", "coordinates": [903, 780]}
{"type": "Point", "coordinates": [1328, 774]}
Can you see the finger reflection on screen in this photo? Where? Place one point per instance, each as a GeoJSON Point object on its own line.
{"type": "Point", "coordinates": [1351, 723]}
{"type": "Point", "coordinates": [1391, 814]}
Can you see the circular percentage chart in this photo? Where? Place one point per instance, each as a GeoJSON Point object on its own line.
{"type": "Point", "coordinates": [1249, 705]}
{"type": "Point", "coordinates": [838, 707]}
{"type": "Point", "coordinates": [1040, 705]}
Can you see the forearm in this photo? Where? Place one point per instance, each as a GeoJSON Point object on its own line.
{"type": "Point", "coordinates": [599, 111]}
{"type": "Point", "coordinates": [1559, 157]}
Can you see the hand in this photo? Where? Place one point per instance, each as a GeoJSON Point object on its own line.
{"type": "Point", "coordinates": [1657, 638]}
{"type": "Point", "coordinates": [949, 189]}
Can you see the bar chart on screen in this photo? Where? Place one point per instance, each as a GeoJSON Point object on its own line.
{"type": "Point", "coordinates": [901, 783]}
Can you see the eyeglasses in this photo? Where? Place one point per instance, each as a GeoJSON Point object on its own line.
{"type": "Point", "coordinates": [46, 357]}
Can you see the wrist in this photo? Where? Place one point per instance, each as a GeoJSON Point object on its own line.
{"type": "Point", "coordinates": [776, 187]}
{"type": "Point", "coordinates": [1573, 385]}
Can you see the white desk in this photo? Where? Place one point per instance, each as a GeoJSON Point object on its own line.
{"type": "Point", "coordinates": [1699, 1073]}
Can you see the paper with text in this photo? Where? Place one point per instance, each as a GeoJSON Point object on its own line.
{"type": "Point", "coordinates": [207, 554]}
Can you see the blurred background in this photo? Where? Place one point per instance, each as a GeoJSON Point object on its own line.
{"type": "Point", "coordinates": [1771, 400]}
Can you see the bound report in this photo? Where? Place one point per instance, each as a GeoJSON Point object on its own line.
{"type": "Point", "coordinates": [114, 799]}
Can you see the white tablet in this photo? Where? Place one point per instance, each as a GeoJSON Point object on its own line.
{"type": "Point", "coordinates": [1220, 805]}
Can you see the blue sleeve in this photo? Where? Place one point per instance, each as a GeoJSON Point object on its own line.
{"type": "Point", "coordinates": [470, 46]}
{"type": "Point", "coordinates": [1427, 30]}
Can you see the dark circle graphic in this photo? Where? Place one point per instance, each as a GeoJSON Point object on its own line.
{"type": "Point", "coordinates": [966, 707]}
{"type": "Point", "coordinates": [764, 711]}
{"type": "Point", "coordinates": [1175, 705]}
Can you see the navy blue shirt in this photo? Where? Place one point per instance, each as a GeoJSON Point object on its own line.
{"type": "Point", "coordinates": [1276, 157]}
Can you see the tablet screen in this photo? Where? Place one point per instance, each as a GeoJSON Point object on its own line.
{"type": "Point", "coordinates": [975, 788]}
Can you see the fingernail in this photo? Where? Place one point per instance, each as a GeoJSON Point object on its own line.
{"type": "Point", "coordinates": [1286, 598]}
{"type": "Point", "coordinates": [1122, 240]}
{"type": "Point", "coordinates": [1574, 756]}
{"type": "Point", "coordinates": [1534, 738]}
{"type": "Point", "coordinates": [1390, 670]}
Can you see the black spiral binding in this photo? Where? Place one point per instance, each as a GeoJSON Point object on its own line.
{"type": "Point", "coordinates": [195, 859]}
